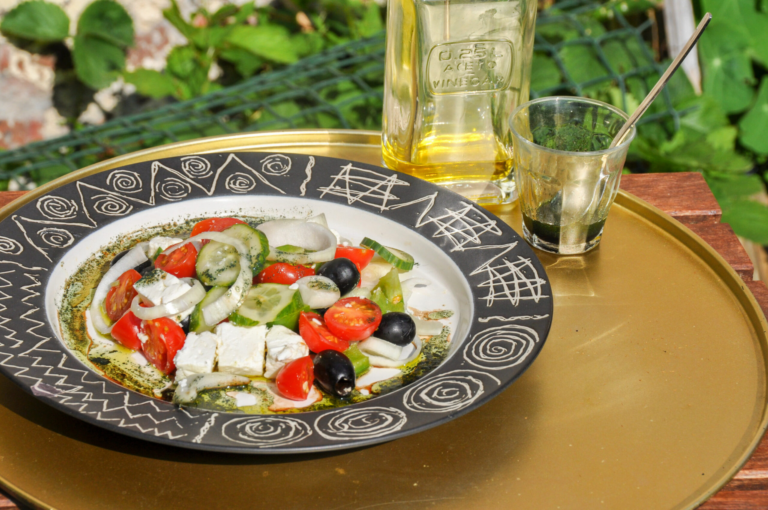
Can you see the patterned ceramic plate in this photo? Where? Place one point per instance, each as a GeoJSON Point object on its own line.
{"type": "Point", "coordinates": [500, 291]}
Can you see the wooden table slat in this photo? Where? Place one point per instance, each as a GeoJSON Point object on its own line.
{"type": "Point", "coordinates": [685, 196]}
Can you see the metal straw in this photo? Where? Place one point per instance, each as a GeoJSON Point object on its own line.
{"type": "Point", "coordinates": [662, 81]}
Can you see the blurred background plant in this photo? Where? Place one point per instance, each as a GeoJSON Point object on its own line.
{"type": "Point", "coordinates": [611, 50]}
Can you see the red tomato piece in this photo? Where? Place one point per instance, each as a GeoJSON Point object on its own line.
{"type": "Point", "coordinates": [294, 381]}
{"type": "Point", "coordinates": [313, 330]}
{"type": "Point", "coordinates": [359, 256]}
{"type": "Point", "coordinates": [165, 338]}
{"type": "Point", "coordinates": [121, 294]}
{"type": "Point", "coordinates": [180, 262]}
{"type": "Point", "coordinates": [126, 331]}
{"type": "Point", "coordinates": [283, 273]}
{"type": "Point", "coordinates": [214, 225]}
{"type": "Point", "coordinates": [353, 318]}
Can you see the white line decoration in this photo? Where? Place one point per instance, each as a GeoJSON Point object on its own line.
{"type": "Point", "coordinates": [173, 189]}
{"type": "Point", "coordinates": [56, 208]}
{"type": "Point", "coordinates": [124, 181]}
{"type": "Point", "coordinates": [361, 423]}
{"type": "Point", "coordinates": [509, 281]}
{"type": "Point", "coordinates": [266, 431]}
{"type": "Point", "coordinates": [56, 237]}
{"type": "Point", "coordinates": [110, 205]}
{"type": "Point", "coordinates": [308, 171]}
{"type": "Point", "coordinates": [10, 246]}
{"type": "Point", "coordinates": [196, 167]}
{"type": "Point", "coordinates": [462, 226]}
{"type": "Point", "coordinates": [501, 347]}
{"type": "Point", "coordinates": [205, 428]}
{"type": "Point", "coordinates": [513, 319]}
{"type": "Point", "coordinates": [446, 393]}
{"type": "Point", "coordinates": [276, 164]}
{"type": "Point", "coordinates": [239, 182]}
{"type": "Point", "coordinates": [364, 186]}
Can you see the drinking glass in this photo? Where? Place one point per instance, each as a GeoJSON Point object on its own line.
{"type": "Point", "coordinates": [567, 176]}
{"type": "Point", "coordinates": [455, 70]}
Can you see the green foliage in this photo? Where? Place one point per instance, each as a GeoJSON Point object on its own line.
{"type": "Point", "coordinates": [107, 20]}
{"type": "Point", "coordinates": [36, 20]}
{"type": "Point", "coordinates": [97, 62]}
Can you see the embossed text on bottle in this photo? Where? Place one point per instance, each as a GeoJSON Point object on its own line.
{"type": "Point", "coordinates": [469, 66]}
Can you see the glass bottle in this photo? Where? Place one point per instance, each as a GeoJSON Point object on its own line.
{"type": "Point", "coordinates": [455, 70]}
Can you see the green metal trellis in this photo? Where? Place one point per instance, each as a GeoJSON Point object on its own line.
{"type": "Point", "coordinates": [342, 88]}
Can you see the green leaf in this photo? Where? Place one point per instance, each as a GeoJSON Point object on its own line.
{"type": "Point", "coordinates": [371, 22]}
{"type": "Point", "coordinates": [97, 62]}
{"type": "Point", "coordinates": [182, 61]}
{"type": "Point", "coordinates": [727, 69]}
{"type": "Point", "coordinates": [754, 125]}
{"type": "Point", "coordinates": [581, 63]}
{"type": "Point", "coordinates": [173, 15]}
{"type": "Point", "coordinates": [151, 83]}
{"type": "Point", "coordinates": [108, 20]}
{"type": "Point", "coordinates": [743, 16]}
{"type": "Point", "coordinates": [246, 63]}
{"type": "Point", "coordinates": [36, 20]}
{"type": "Point", "coordinates": [272, 42]}
{"type": "Point", "coordinates": [736, 187]}
{"type": "Point", "coordinates": [544, 72]}
{"type": "Point", "coordinates": [748, 219]}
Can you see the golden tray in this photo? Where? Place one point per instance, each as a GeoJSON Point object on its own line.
{"type": "Point", "coordinates": [649, 393]}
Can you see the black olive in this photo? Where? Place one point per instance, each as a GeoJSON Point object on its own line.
{"type": "Point", "coordinates": [334, 373]}
{"type": "Point", "coordinates": [118, 257]}
{"type": "Point", "coordinates": [397, 328]}
{"type": "Point", "coordinates": [343, 273]}
{"type": "Point", "coordinates": [144, 266]}
{"type": "Point", "coordinates": [185, 324]}
{"type": "Point", "coordinates": [321, 311]}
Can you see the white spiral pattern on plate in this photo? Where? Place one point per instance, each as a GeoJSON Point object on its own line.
{"type": "Point", "coordinates": [125, 181]}
{"type": "Point", "coordinates": [10, 246]}
{"type": "Point", "coordinates": [276, 164]}
{"type": "Point", "coordinates": [56, 237]}
{"type": "Point", "coordinates": [239, 182]}
{"type": "Point", "coordinates": [111, 205]}
{"type": "Point", "coordinates": [363, 423]}
{"type": "Point", "coordinates": [57, 208]}
{"type": "Point", "coordinates": [196, 167]}
{"type": "Point", "coordinates": [445, 393]}
{"type": "Point", "coordinates": [501, 347]}
{"type": "Point", "coordinates": [173, 189]}
{"type": "Point", "coordinates": [266, 431]}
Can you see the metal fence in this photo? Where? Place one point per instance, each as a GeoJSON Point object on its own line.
{"type": "Point", "coordinates": [582, 48]}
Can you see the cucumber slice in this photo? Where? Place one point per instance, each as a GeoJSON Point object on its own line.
{"type": "Point", "coordinates": [270, 304]}
{"type": "Point", "coordinates": [255, 240]}
{"type": "Point", "coordinates": [397, 258]}
{"type": "Point", "coordinates": [196, 321]}
{"type": "Point", "coordinates": [218, 264]}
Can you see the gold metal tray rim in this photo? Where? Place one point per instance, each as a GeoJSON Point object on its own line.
{"type": "Point", "coordinates": [320, 137]}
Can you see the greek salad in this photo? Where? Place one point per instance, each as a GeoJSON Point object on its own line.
{"type": "Point", "coordinates": [286, 307]}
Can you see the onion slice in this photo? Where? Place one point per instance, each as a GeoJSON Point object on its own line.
{"type": "Point", "coordinates": [379, 347]}
{"type": "Point", "coordinates": [427, 328]}
{"type": "Point", "coordinates": [179, 305]}
{"type": "Point", "coordinates": [318, 291]}
{"type": "Point", "coordinates": [302, 233]}
{"type": "Point", "coordinates": [186, 391]}
{"type": "Point", "coordinates": [130, 260]}
{"type": "Point", "coordinates": [380, 361]}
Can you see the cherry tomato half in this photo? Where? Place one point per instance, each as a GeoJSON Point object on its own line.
{"type": "Point", "coordinates": [121, 294]}
{"type": "Point", "coordinates": [180, 262]}
{"type": "Point", "coordinates": [165, 338]}
{"type": "Point", "coordinates": [214, 225]}
{"type": "Point", "coordinates": [294, 381]}
{"type": "Point", "coordinates": [353, 318]}
{"type": "Point", "coordinates": [283, 273]}
{"type": "Point", "coordinates": [359, 256]}
{"type": "Point", "coordinates": [313, 330]}
{"type": "Point", "coordinates": [126, 331]}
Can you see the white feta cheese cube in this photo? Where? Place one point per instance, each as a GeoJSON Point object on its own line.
{"type": "Point", "coordinates": [198, 356]}
{"type": "Point", "coordinates": [241, 350]}
{"type": "Point", "coordinates": [159, 244]}
{"type": "Point", "coordinates": [158, 287]}
{"type": "Point", "coordinates": [283, 346]}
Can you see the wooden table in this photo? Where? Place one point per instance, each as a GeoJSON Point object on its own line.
{"type": "Point", "coordinates": [686, 197]}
